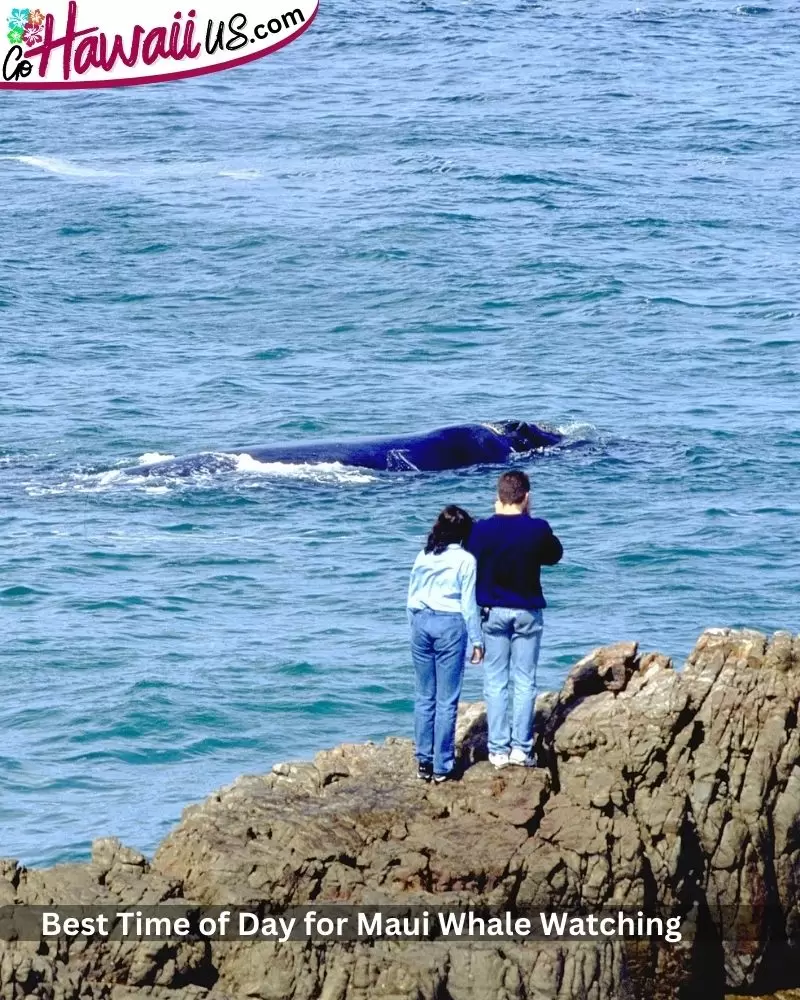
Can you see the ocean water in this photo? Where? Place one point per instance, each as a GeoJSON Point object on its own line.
{"type": "Point", "coordinates": [419, 213]}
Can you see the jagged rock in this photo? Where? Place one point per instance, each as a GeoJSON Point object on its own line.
{"type": "Point", "coordinates": [655, 789]}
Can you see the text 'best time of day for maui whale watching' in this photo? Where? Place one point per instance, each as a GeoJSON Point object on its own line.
{"type": "Point", "coordinates": [346, 922]}
{"type": "Point", "coordinates": [456, 447]}
{"type": "Point", "coordinates": [90, 44]}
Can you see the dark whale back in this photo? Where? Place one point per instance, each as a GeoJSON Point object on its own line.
{"type": "Point", "coordinates": [445, 448]}
{"type": "Point", "coordinates": [456, 447]}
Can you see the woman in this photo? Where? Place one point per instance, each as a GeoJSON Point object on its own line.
{"type": "Point", "coordinates": [443, 616]}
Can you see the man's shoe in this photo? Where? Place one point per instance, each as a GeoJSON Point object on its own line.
{"type": "Point", "coordinates": [438, 779]}
{"type": "Point", "coordinates": [425, 772]}
{"type": "Point", "coordinates": [520, 758]}
{"type": "Point", "coordinates": [499, 760]}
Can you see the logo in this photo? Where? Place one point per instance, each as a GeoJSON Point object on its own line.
{"type": "Point", "coordinates": [91, 43]}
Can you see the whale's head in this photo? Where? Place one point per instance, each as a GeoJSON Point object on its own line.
{"type": "Point", "coordinates": [524, 437]}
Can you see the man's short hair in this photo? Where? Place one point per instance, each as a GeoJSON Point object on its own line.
{"type": "Point", "coordinates": [512, 487]}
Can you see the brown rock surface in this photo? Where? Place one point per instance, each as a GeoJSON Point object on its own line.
{"type": "Point", "coordinates": [657, 789]}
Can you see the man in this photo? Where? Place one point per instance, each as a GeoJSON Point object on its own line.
{"type": "Point", "coordinates": [510, 549]}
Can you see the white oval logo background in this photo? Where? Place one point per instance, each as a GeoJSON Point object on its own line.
{"type": "Point", "coordinates": [71, 44]}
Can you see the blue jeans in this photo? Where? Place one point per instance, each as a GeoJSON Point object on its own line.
{"type": "Point", "coordinates": [438, 650]}
{"type": "Point", "coordinates": [513, 639]}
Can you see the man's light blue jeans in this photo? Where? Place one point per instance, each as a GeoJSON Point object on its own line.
{"type": "Point", "coordinates": [438, 649]}
{"type": "Point", "coordinates": [513, 639]}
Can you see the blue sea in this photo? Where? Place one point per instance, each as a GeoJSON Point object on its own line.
{"type": "Point", "coordinates": [419, 213]}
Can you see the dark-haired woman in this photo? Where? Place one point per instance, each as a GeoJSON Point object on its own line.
{"type": "Point", "coordinates": [444, 617]}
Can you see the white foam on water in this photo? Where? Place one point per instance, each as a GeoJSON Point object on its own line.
{"type": "Point", "coordinates": [241, 175]}
{"type": "Point", "coordinates": [578, 430]}
{"type": "Point", "coordinates": [64, 168]}
{"type": "Point", "coordinates": [318, 472]}
{"type": "Point", "coordinates": [79, 483]}
{"type": "Point", "coordinates": [72, 486]}
{"type": "Point", "coordinates": [133, 170]}
{"type": "Point", "coordinates": [158, 483]}
{"type": "Point", "coordinates": [105, 478]}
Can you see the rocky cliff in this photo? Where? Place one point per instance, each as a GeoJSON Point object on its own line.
{"type": "Point", "coordinates": [671, 791]}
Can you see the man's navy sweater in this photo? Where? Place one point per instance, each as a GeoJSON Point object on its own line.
{"type": "Point", "coordinates": [510, 550]}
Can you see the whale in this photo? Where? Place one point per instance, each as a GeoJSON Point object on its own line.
{"type": "Point", "coordinates": [456, 447]}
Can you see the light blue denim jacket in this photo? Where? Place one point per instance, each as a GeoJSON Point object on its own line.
{"type": "Point", "coordinates": [446, 582]}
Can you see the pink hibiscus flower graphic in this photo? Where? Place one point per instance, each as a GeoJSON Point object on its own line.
{"type": "Point", "coordinates": [33, 34]}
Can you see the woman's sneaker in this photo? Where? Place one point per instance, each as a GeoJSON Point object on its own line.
{"type": "Point", "coordinates": [499, 760]}
{"type": "Point", "coordinates": [425, 772]}
{"type": "Point", "coordinates": [520, 758]}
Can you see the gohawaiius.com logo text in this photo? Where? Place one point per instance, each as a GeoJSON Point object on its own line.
{"type": "Point", "coordinates": [91, 43]}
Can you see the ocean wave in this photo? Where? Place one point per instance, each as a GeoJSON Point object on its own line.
{"type": "Point", "coordinates": [150, 457]}
{"type": "Point", "coordinates": [247, 472]}
{"type": "Point", "coordinates": [64, 168]}
{"type": "Point", "coordinates": [245, 174]}
{"type": "Point", "coordinates": [61, 167]}
{"type": "Point", "coordinates": [318, 472]}
{"type": "Point", "coordinates": [576, 431]}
